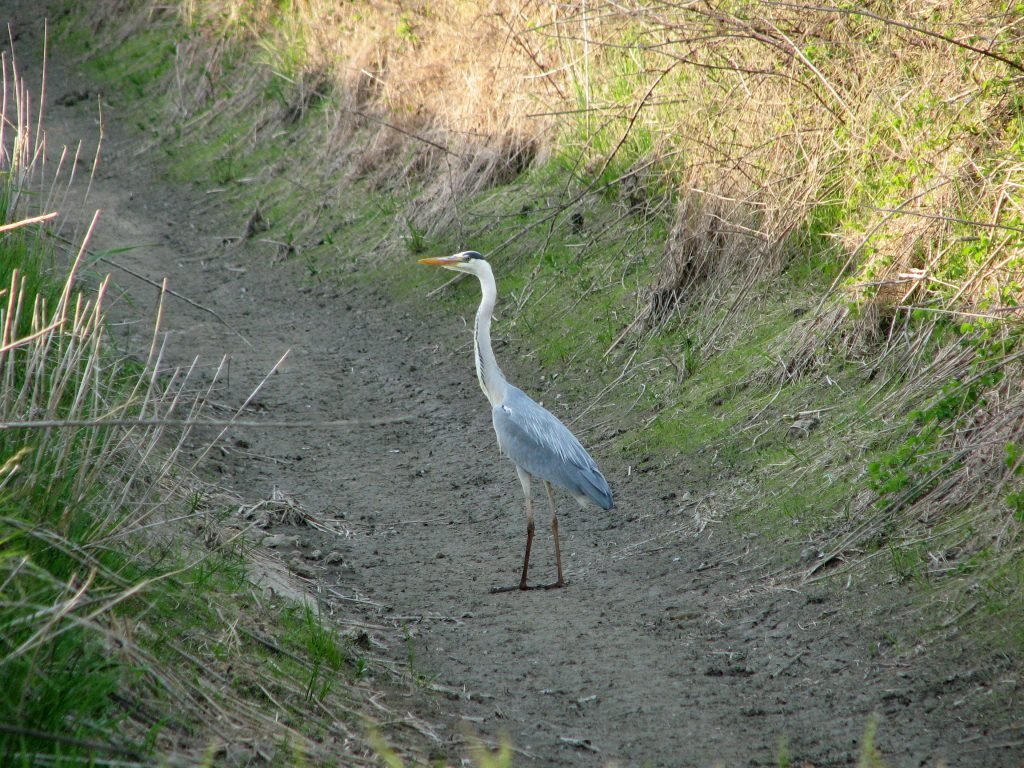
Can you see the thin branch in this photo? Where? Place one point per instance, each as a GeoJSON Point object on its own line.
{"type": "Point", "coordinates": [25, 222]}
{"type": "Point", "coordinates": [952, 219]}
{"type": "Point", "coordinates": [902, 25]}
{"type": "Point", "coordinates": [224, 423]}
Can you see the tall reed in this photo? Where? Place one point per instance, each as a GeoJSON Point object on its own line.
{"type": "Point", "coordinates": [69, 485]}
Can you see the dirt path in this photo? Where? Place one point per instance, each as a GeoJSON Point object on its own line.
{"type": "Point", "coordinates": [673, 645]}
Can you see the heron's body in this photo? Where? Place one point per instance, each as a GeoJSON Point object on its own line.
{"type": "Point", "coordinates": [538, 443]}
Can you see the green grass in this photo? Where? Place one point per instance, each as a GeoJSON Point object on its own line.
{"type": "Point", "coordinates": [61, 585]}
{"type": "Point", "coordinates": [143, 59]}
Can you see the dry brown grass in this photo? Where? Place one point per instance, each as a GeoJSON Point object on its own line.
{"type": "Point", "coordinates": [416, 92]}
{"type": "Point", "coordinates": [890, 130]}
{"type": "Point", "coordinates": [714, 240]}
{"type": "Point", "coordinates": [885, 132]}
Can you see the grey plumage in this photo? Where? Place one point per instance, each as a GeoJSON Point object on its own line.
{"type": "Point", "coordinates": [538, 443]}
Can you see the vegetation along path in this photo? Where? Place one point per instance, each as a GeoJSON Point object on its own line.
{"type": "Point", "coordinates": [680, 640]}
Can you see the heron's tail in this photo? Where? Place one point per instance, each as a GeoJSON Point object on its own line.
{"type": "Point", "coordinates": [594, 487]}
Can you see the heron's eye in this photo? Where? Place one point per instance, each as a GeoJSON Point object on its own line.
{"type": "Point", "coordinates": [470, 255]}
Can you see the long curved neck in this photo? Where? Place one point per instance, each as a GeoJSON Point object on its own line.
{"type": "Point", "coordinates": [492, 380]}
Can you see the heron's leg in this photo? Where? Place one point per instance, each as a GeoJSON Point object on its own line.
{"type": "Point", "coordinates": [554, 533]}
{"type": "Point", "coordinates": [529, 543]}
{"type": "Point", "coordinates": [524, 480]}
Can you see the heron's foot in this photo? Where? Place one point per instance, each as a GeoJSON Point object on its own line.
{"type": "Point", "coordinates": [510, 588]}
{"type": "Point", "coordinates": [524, 587]}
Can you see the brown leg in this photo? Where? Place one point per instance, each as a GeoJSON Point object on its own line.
{"type": "Point", "coordinates": [554, 532]}
{"type": "Point", "coordinates": [529, 543]}
{"type": "Point", "coordinates": [524, 480]}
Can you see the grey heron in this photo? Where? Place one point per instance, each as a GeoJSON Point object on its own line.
{"type": "Point", "coordinates": [538, 443]}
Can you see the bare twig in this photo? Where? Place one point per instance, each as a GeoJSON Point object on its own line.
{"type": "Point", "coordinates": [191, 423]}
{"type": "Point", "coordinates": [986, 52]}
{"type": "Point", "coordinates": [30, 220]}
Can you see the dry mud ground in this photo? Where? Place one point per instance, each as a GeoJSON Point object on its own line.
{"type": "Point", "coordinates": [675, 643]}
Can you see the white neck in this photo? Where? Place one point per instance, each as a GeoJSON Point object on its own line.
{"type": "Point", "coordinates": [492, 380]}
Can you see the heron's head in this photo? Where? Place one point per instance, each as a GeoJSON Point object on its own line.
{"type": "Point", "coordinates": [467, 261]}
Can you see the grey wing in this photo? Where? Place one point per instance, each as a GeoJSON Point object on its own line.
{"type": "Point", "coordinates": [538, 442]}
